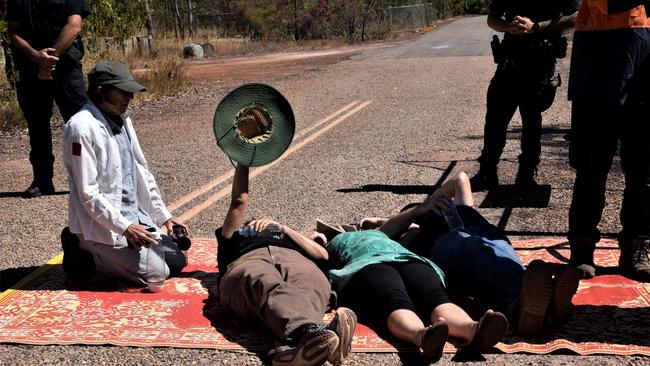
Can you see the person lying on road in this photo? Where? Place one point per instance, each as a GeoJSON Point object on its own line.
{"type": "Point", "coordinates": [269, 275]}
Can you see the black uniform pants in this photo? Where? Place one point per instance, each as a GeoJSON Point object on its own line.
{"type": "Point", "coordinates": [528, 88]}
{"type": "Point", "coordinates": [597, 130]}
{"type": "Point", "coordinates": [36, 98]}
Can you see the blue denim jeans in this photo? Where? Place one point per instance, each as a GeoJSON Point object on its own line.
{"type": "Point", "coordinates": [480, 262]}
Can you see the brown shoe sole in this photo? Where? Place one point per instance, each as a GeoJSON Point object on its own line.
{"type": "Point", "coordinates": [565, 285]}
{"type": "Point", "coordinates": [346, 323]}
{"type": "Point", "coordinates": [535, 297]}
{"type": "Point", "coordinates": [314, 349]}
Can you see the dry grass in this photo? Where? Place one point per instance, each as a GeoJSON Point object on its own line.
{"type": "Point", "coordinates": [11, 117]}
{"type": "Point", "coordinates": [163, 72]}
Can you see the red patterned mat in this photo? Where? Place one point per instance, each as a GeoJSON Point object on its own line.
{"type": "Point", "coordinates": [612, 313]}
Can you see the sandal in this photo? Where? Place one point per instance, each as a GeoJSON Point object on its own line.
{"type": "Point", "coordinates": [491, 328]}
{"type": "Point", "coordinates": [434, 339]}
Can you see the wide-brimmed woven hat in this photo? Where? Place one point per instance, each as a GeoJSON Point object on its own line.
{"type": "Point", "coordinates": [254, 124]}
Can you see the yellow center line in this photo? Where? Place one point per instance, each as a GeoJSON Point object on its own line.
{"type": "Point", "coordinates": [186, 216]}
{"type": "Point", "coordinates": [215, 182]}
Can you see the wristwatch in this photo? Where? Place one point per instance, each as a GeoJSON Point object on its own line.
{"type": "Point", "coordinates": [536, 27]}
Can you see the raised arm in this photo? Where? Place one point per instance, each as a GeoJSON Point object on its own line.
{"type": "Point", "coordinates": [457, 187]}
{"type": "Point", "coordinates": [238, 202]}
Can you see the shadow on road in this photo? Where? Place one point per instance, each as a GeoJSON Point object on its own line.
{"type": "Point", "coordinates": [22, 194]}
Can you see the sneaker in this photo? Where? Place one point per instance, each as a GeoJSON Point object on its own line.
{"type": "Point", "coordinates": [343, 324]}
{"type": "Point", "coordinates": [78, 264]}
{"type": "Point", "coordinates": [314, 348]}
{"type": "Point", "coordinates": [534, 298]}
{"type": "Point", "coordinates": [434, 339]}
{"type": "Point", "coordinates": [484, 181]}
{"type": "Point", "coordinates": [634, 262]}
{"type": "Point", "coordinates": [565, 285]}
{"type": "Point", "coordinates": [489, 331]}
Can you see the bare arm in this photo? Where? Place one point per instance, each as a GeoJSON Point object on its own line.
{"type": "Point", "coordinates": [310, 247]}
{"type": "Point", "coordinates": [238, 202]}
{"type": "Point", "coordinates": [458, 188]}
{"type": "Point", "coordinates": [40, 57]}
{"type": "Point", "coordinates": [68, 34]}
{"type": "Point", "coordinates": [398, 224]}
{"type": "Point", "coordinates": [554, 25]}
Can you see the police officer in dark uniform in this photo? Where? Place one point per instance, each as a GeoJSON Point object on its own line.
{"type": "Point", "coordinates": [46, 48]}
{"type": "Point", "coordinates": [525, 78]}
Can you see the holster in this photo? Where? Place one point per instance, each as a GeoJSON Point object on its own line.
{"type": "Point", "coordinates": [498, 53]}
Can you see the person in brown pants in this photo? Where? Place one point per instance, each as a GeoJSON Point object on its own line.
{"type": "Point", "coordinates": [268, 275]}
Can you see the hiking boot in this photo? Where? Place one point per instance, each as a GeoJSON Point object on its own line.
{"type": "Point", "coordinates": [565, 285]}
{"type": "Point", "coordinates": [78, 264]}
{"type": "Point", "coordinates": [484, 180]}
{"type": "Point", "coordinates": [314, 348]}
{"type": "Point", "coordinates": [534, 298]}
{"type": "Point", "coordinates": [633, 261]}
{"type": "Point", "coordinates": [343, 324]}
{"type": "Point", "coordinates": [582, 256]}
{"type": "Point", "coordinates": [526, 177]}
{"type": "Point", "coordinates": [38, 190]}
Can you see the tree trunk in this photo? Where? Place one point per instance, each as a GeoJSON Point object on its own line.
{"type": "Point", "coordinates": [190, 12]}
{"type": "Point", "coordinates": [179, 20]}
{"type": "Point", "coordinates": [149, 20]}
{"type": "Point", "coordinates": [369, 6]}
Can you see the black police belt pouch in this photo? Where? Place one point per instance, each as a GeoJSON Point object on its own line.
{"type": "Point", "coordinates": [498, 53]}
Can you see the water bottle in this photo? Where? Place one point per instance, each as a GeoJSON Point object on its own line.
{"type": "Point", "coordinates": [247, 231]}
{"type": "Point", "coordinates": [275, 231]}
{"type": "Point", "coordinates": [157, 270]}
{"type": "Point", "coordinates": [453, 218]}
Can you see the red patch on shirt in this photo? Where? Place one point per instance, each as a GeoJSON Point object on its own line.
{"type": "Point", "coordinates": [76, 148]}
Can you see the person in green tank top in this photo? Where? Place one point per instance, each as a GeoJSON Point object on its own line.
{"type": "Point", "coordinates": [390, 287]}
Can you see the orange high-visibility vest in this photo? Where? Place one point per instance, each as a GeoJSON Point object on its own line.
{"type": "Point", "coordinates": [593, 15]}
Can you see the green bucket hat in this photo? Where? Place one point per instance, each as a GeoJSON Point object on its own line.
{"type": "Point", "coordinates": [115, 74]}
{"type": "Point", "coordinates": [254, 124]}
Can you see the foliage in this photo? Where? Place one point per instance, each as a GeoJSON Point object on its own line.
{"type": "Point", "coordinates": [114, 18]}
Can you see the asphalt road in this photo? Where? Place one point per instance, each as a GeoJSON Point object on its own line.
{"type": "Point", "coordinates": [377, 127]}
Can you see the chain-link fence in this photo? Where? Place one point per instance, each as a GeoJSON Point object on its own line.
{"type": "Point", "coordinates": [410, 17]}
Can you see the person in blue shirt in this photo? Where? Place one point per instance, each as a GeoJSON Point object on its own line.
{"type": "Point", "coordinates": [481, 264]}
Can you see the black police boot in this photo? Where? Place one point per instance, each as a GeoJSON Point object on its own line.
{"type": "Point", "coordinates": [78, 264]}
{"type": "Point", "coordinates": [634, 262]}
{"type": "Point", "coordinates": [485, 179]}
{"type": "Point", "coordinates": [526, 176]}
{"type": "Point", "coordinates": [582, 256]}
{"type": "Point", "coordinates": [39, 189]}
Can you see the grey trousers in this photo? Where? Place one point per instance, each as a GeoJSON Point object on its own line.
{"type": "Point", "coordinates": [121, 262]}
{"type": "Point", "coordinates": [277, 286]}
